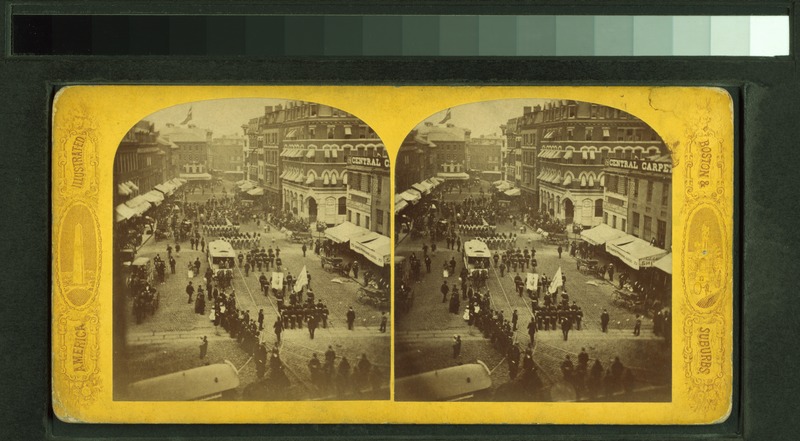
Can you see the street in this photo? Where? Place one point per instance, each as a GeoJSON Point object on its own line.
{"type": "Point", "coordinates": [425, 334]}
{"type": "Point", "coordinates": [168, 341]}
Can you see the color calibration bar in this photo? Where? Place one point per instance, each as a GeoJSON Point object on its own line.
{"type": "Point", "coordinates": [401, 35]}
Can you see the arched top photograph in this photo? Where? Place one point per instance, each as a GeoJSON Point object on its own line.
{"type": "Point", "coordinates": [571, 204]}
{"type": "Point", "coordinates": [231, 217]}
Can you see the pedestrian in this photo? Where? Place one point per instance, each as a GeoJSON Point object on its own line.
{"type": "Point", "coordinates": [278, 327]}
{"type": "Point", "coordinates": [204, 347]}
{"type": "Point", "coordinates": [384, 320]}
{"type": "Point", "coordinates": [604, 319]}
{"type": "Point", "coordinates": [313, 321]}
{"type": "Point", "coordinates": [444, 289]}
{"type": "Point", "coordinates": [566, 325]}
{"type": "Point", "coordinates": [260, 319]}
{"type": "Point", "coordinates": [532, 331]}
{"type": "Point", "coordinates": [351, 318]}
{"type": "Point", "coordinates": [172, 265]}
{"type": "Point", "coordinates": [514, 319]}
{"type": "Point", "coordinates": [637, 328]}
{"type": "Point", "coordinates": [560, 250]}
{"type": "Point", "coordinates": [456, 346]}
{"type": "Point", "coordinates": [190, 291]}
{"type": "Point", "coordinates": [611, 272]}
{"type": "Point", "coordinates": [428, 264]}
{"type": "Point", "coordinates": [305, 248]}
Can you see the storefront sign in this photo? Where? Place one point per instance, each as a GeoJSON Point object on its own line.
{"type": "Point", "coordinates": [640, 165]}
{"type": "Point", "coordinates": [367, 161]}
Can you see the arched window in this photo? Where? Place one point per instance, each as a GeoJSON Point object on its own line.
{"type": "Point", "coordinates": [598, 207]}
{"type": "Point", "coordinates": [342, 205]}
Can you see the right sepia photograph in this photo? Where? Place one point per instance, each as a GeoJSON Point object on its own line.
{"type": "Point", "coordinates": [533, 255]}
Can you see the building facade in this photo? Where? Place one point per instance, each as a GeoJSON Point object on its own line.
{"type": "Point", "coordinates": [567, 144]}
{"type": "Point", "coordinates": [416, 161]}
{"type": "Point", "coordinates": [142, 159]}
{"type": "Point", "coordinates": [638, 197]}
{"type": "Point", "coordinates": [193, 155]}
{"type": "Point", "coordinates": [485, 154]}
{"type": "Point", "coordinates": [451, 148]}
{"type": "Point", "coordinates": [369, 191]}
{"type": "Point", "coordinates": [227, 157]}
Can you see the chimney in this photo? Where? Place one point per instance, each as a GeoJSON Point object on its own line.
{"type": "Point", "coordinates": [267, 110]}
{"type": "Point", "coordinates": [278, 108]}
{"type": "Point", "coordinates": [526, 110]}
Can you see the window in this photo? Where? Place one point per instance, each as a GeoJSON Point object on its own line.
{"type": "Point", "coordinates": [358, 219]}
{"type": "Point", "coordinates": [589, 133]}
{"type": "Point", "coordinates": [635, 221]}
{"type": "Point", "coordinates": [312, 131]}
{"type": "Point", "coordinates": [624, 221]}
{"type": "Point", "coordinates": [572, 112]}
{"type": "Point", "coordinates": [349, 216]}
{"type": "Point", "coordinates": [613, 221]}
{"type": "Point", "coordinates": [605, 218]}
{"type": "Point", "coordinates": [665, 193]}
{"type": "Point", "coordinates": [649, 191]}
{"type": "Point", "coordinates": [343, 206]}
{"type": "Point", "coordinates": [594, 111]}
{"type": "Point", "coordinates": [379, 215]}
{"type": "Point", "coordinates": [636, 188]}
{"type": "Point", "coordinates": [331, 132]}
{"type": "Point", "coordinates": [366, 222]}
{"type": "Point", "coordinates": [624, 187]}
{"type": "Point", "coordinates": [379, 186]}
{"type": "Point", "coordinates": [598, 210]}
{"type": "Point", "coordinates": [647, 227]}
{"type": "Point", "coordinates": [661, 233]}
{"type": "Point", "coordinates": [570, 133]}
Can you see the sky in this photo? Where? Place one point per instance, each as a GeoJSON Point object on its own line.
{"type": "Point", "coordinates": [485, 117]}
{"type": "Point", "coordinates": [226, 116]}
{"type": "Point", "coordinates": [223, 116]}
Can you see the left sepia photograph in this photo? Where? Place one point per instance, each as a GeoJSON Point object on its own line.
{"type": "Point", "coordinates": [251, 255]}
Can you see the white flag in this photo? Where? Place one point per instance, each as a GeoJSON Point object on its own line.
{"type": "Point", "coordinates": [302, 280]}
{"type": "Point", "coordinates": [277, 281]}
{"type": "Point", "coordinates": [556, 283]}
{"type": "Point", "coordinates": [532, 283]}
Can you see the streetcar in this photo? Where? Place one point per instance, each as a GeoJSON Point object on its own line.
{"type": "Point", "coordinates": [221, 255]}
{"type": "Point", "coordinates": [477, 257]}
{"type": "Point", "coordinates": [466, 382]}
{"type": "Point", "coordinates": [206, 383]}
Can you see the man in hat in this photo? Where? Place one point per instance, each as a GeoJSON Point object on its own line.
{"type": "Point", "coordinates": [351, 318]}
{"type": "Point", "coordinates": [456, 346]}
{"type": "Point", "coordinates": [204, 347]}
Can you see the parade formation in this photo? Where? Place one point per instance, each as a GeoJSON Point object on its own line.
{"type": "Point", "coordinates": [525, 291]}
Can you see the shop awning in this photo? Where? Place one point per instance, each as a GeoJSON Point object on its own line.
{"type": "Point", "coordinates": [247, 186]}
{"type": "Point", "coordinates": [601, 234]}
{"type": "Point", "coordinates": [549, 134]}
{"type": "Point", "coordinates": [124, 190]}
{"type": "Point", "coordinates": [132, 186]}
{"type": "Point", "coordinates": [153, 196]}
{"type": "Point", "coordinates": [496, 183]}
{"type": "Point", "coordinates": [432, 182]}
{"type": "Point", "coordinates": [124, 212]}
{"type": "Point", "coordinates": [400, 204]}
{"type": "Point", "coordinates": [664, 264]}
{"type": "Point", "coordinates": [258, 191]}
{"type": "Point", "coordinates": [410, 195]}
{"type": "Point", "coordinates": [421, 188]}
{"type": "Point", "coordinates": [504, 186]}
{"type": "Point", "coordinates": [196, 176]}
{"type": "Point", "coordinates": [512, 192]}
{"type": "Point", "coordinates": [166, 188]}
{"type": "Point", "coordinates": [634, 252]}
{"type": "Point", "coordinates": [453, 176]}
{"type": "Point", "coordinates": [344, 232]}
{"type": "Point", "coordinates": [375, 247]}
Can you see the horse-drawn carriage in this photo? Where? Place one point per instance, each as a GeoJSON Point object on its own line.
{"type": "Point", "coordinates": [591, 266]}
{"type": "Point", "coordinates": [334, 265]}
{"type": "Point", "coordinates": [375, 297]}
{"type": "Point", "coordinates": [628, 299]}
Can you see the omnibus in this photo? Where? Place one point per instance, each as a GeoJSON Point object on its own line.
{"type": "Point", "coordinates": [458, 383]}
{"type": "Point", "coordinates": [213, 382]}
{"type": "Point", "coordinates": [221, 255]}
{"type": "Point", "coordinates": [477, 256]}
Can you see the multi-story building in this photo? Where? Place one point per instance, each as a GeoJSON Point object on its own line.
{"type": "Point", "coordinates": [451, 148]}
{"type": "Point", "coordinates": [527, 129]}
{"type": "Point", "coordinates": [572, 141]}
{"type": "Point", "coordinates": [638, 199]}
{"type": "Point", "coordinates": [484, 154]}
{"type": "Point", "coordinates": [315, 142]}
{"type": "Point", "coordinates": [141, 160]}
{"type": "Point", "coordinates": [416, 162]}
{"type": "Point", "coordinates": [227, 157]}
{"type": "Point", "coordinates": [369, 191]}
{"type": "Point", "coordinates": [193, 155]}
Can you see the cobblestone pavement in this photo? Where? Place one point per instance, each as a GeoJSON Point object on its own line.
{"type": "Point", "coordinates": [424, 335]}
{"type": "Point", "coordinates": [169, 340]}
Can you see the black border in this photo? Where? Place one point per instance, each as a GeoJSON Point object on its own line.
{"type": "Point", "coordinates": [766, 91]}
